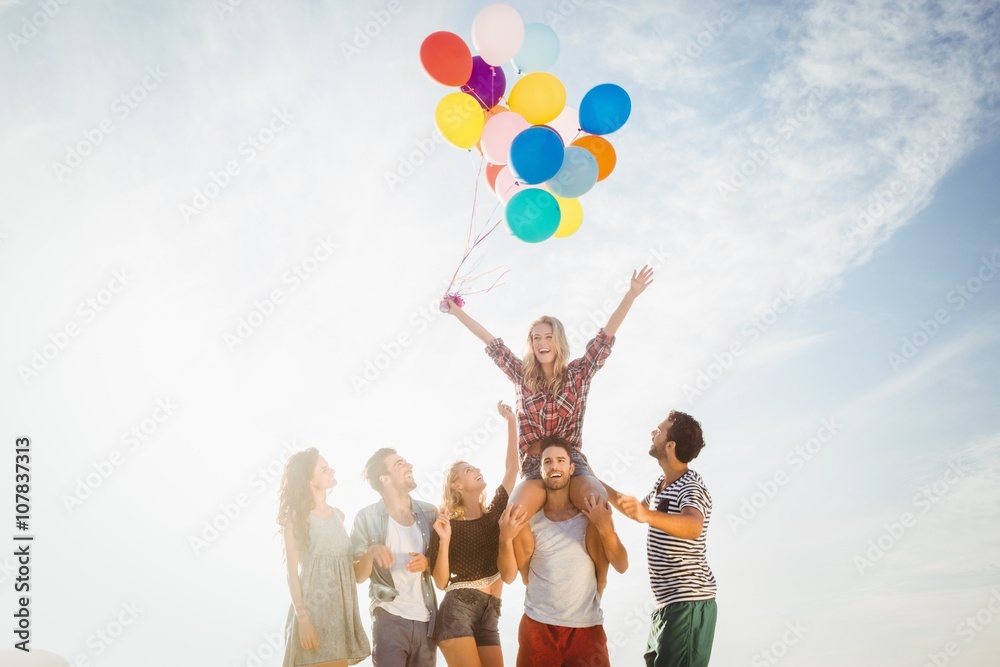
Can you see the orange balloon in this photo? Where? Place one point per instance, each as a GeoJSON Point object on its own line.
{"type": "Point", "coordinates": [491, 175]}
{"type": "Point", "coordinates": [602, 150]}
{"type": "Point", "coordinates": [497, 109]}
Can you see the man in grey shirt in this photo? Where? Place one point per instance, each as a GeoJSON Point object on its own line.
{"type": "Point", "coordinates": [563, 558]}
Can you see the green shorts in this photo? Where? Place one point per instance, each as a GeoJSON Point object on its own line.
{"type": "Point", "coordinates": [681, 635]}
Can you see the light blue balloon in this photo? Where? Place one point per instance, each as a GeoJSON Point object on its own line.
{"type": "Point", "coordinates": [539, 50]}
{"type": "Point", "coordinates": [533, 215]}
{"type": "Point", "coordinates": [577, 174]}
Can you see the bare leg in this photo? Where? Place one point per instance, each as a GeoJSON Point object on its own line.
{"type": "Point", "coordinates": [460, 652]}
{"type": "Point", "coordinates": [491, 656]}
{"type": "Point", "coordinates": [582, 486]}
{"type": "Point", "coordinates": [530, 495]}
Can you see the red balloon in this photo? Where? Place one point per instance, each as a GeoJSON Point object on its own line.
{"type": "Point", "coordinates": [491, 175]}
{"type": "Point", "coordinates": [446, 58]}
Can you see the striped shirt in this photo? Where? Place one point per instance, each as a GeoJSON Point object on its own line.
{"type": "Point", "coordinates": [678, 569]}
{"type": "Point", "coordinates": [542, 414]}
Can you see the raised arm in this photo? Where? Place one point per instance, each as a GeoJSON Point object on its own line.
{"type": "Point", "coordinates": [475, 327]}
{"type": "Point", "coordinates": [640, 281]}
{"type": "Point", "coordinates": [511, 460]}
{"type": "Point", "coordinates": [440, 556]}
{"type": "Point", "coordinates": [515, 552]}
{"type": "Point", "coordinates": [307, 633]}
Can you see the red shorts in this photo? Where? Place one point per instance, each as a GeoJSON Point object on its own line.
{"type": "Point", "coordinates": [544, 645]}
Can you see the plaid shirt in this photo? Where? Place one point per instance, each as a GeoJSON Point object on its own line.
{"type": "Point", "coordinates": [542, 414]}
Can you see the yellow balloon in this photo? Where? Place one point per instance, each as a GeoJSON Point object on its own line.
{"type": "Point", "coordinates": [538, 96]}
{"type": "Point", "coordinates": [571, 211]}
{"type": "Point", "coordinates": [460, 119]}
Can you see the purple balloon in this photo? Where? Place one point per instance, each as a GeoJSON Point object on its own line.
{"type": "Point", "coordinates": [487, 83]}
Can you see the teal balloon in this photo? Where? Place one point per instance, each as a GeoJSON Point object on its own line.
{"type": "Point", "coordinates": [539, 51]}
{"type": "Point", "coordinates": [533, 215]}
{"type": "Point", "coordinates": [604, 109]}
{"type": "Point", "coordinates": [577, 174]}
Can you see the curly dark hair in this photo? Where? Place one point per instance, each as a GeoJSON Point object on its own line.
{"type": "Point", "coordinates": [295, 499]}
{"type": "Point", "coordinates": [685, 432]}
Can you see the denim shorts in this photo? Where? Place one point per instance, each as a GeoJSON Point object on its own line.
{"type": "Point", "coordinates": [531, 466]}
{"type": "Point", "coordinates": [467, 612]}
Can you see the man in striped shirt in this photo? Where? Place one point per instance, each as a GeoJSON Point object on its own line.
{"type": "Point", "coordinates": [677, 510]}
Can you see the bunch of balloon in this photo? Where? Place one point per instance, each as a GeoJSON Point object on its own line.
{"type": "Point", "coordinates": [541, 155]}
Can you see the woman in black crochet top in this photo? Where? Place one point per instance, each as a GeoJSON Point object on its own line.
{"type": "Point", "coordinates": [463, 560]}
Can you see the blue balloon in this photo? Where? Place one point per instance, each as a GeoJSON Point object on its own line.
{"type": "Point", "coordinates": [536, 154]}
{"type": "Point", "coordinates": [539, 50]}
{"type": "Point", "coordinates": [604, 109]}
{"type": "Point", "coordinates": [577, 174]}
{"type": "Point", "coordinates": [533, 215]}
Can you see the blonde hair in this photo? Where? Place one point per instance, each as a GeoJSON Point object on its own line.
{"type": "Point", "coordinates": [451, 501]}
{"type": "Point", "coordinates": [534, 380]}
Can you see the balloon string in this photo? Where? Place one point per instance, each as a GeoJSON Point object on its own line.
{"type": "Point", "coordinates": [472, 243]}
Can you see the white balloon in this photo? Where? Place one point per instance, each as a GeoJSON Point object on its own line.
{"type": "Point", "coordinates": [497, 33]}
{"type": "Point", "coordinates": [567, 124]}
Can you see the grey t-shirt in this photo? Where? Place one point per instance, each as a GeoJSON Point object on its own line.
{"type": "Point", "coordinates": [562, 584]}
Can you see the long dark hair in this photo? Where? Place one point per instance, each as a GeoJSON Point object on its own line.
{"type": "Point", "coordinates": [295, 500]}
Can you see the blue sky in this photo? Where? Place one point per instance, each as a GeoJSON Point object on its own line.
{"type": "Point", "coordinates": [814, 183]}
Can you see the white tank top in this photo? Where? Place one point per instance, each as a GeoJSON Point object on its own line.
{"type": "Point", "coordinates": [562, 584]}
